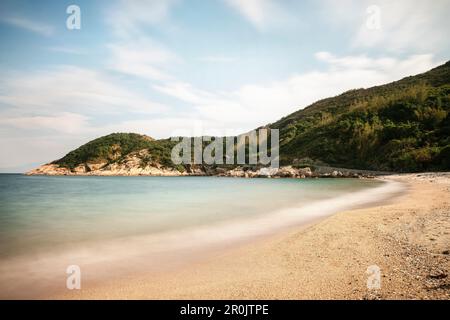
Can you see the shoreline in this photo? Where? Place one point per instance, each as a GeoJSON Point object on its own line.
{"type": "Point", "coordinates": [131, 170]}
{"type": "Point", "coordinates": [407, 238]}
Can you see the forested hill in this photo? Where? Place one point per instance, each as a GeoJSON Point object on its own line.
{"type": "Point", "coordinates": [400, 126]}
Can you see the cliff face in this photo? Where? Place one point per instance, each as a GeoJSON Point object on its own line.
{"type": "Point", "coordinates": [132, 168]}
{"type": "Point", "coordinates": [109, 170]}
{"type": "Point", "coordinates": [133, 164]}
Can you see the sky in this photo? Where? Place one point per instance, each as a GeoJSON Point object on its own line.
{"type": "Point", "coordinates": [192, 67]}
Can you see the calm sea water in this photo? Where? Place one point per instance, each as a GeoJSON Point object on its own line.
{"type": "Point", "coordinates": [42, 213]}
{"type": "Point", "coordinates": [47, 223]}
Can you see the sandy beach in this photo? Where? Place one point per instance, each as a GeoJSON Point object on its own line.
{"type": "Point", "coordinates": [408, 238]}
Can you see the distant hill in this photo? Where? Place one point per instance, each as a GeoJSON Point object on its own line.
{"type": "Point", "coordinates": [114, 147]}
{"type": "Point", "coordinates": [402, 126]}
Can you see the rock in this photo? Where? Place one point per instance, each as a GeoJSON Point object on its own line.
{"type": "Point", "coordinates": [208, 170]}
{"type": "Point", "coordinates": [336, 174]}
{"type": "Point", "coordinates": [252, 174]}
{"type": "Point", "coordinates": [49, 169]}
{"type": "Point", "coordinates": [437, 275]}
{"type": "Point", "coordinates": [267, 172]}
{"type": "Point", "coordinates": [95, 166]}
{"type": "Point", "coordinates": [237, 172]}
{"type": "Point", "coordinates": [305, 172]}
{"type": "Point", "coordinates": [139, 163]}
{"type": "Point", "coordinates": [80, 168]}
{"type": "Point", "coordinates": [286, 172]}
{"type": "Point", "coordinates": [220, 171]}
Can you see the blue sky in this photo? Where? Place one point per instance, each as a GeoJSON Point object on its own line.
{"type": "Point", "coordinates": [167, 67]}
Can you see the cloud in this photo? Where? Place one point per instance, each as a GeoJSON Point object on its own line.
{"type": "Point", "coordinates": [392, 68]}
{"type": "Point", "coordinates": [218, 59]}
{"type": "Point", "coordinates": [185, 92]}
{"type": "Point", "coordinates": [260, 13]}
{"type": "Point", "coordinates": [179, 125]}
{"type": "Point", "coordinates": [65, 122]}
{"type": "Point", "coordinates": [418, 24]}
{"type": "Point", "coordinates": [127, 17]}
{"type": "Point", "coordinates": [142, 58]}
{"type": "Point", "coordinates": [404, 24]}
{"type": "Point", "coordinates": [253, 105]}
{"type": "Point", "coordinates": [71, 89]}
{"type": "Point", "coordinates": [133, 51]}
{"type": "Point", "coordinates": [47, 113]}
{"type": "Point", "coordinates": [29, 25]}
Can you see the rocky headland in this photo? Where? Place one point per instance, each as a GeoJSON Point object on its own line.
{"type": "Point", "coordinates": [132, 166]}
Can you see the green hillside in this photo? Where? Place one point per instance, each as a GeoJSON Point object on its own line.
{"type": "Point", "coordinates": [116, 146]}
{"type": "Point", "coordinates": [402, 126]}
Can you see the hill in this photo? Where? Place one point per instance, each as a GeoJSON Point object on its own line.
{"type": "Point", "coordinates": [402, 126]}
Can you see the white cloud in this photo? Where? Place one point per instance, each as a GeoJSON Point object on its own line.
{"type": "Point", "coordinates": [218, 59]}
{"type": "Point", "coordinates": [404, 25]}
{"type": "Point", "coordinates": [47, 113]}
{"type": "Point", "coordinates": [185, 92]}
{"type": "Point", "coordinates": [65, 122]}
{"type": "Point", "coordinates": [180, 125]}
{"type": "Point", "coordinates": [71, 89]}
{"type": "Point", "coordinates": [392, 68]}
{"type": "Point", "coordinates": [30, 25]}
{"type": "Point", "coordinates": [132, 51]}
{"type": "Point", "coordinates": [260, 13]}
{"type": "Point", "coordinates": [142, 58]}
{"type": "Point", "coordinates": [254, 105]}
{"type": "Point", "coordinates": [126, 17]}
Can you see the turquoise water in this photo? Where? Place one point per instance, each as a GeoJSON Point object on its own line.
{"type": "Point", "coordinates": [111, 227]}
{"type": "Point", "coordinates": [40, 213]}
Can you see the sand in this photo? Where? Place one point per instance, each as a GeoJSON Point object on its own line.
{"type": "Point", "coordinates": [408, 239]}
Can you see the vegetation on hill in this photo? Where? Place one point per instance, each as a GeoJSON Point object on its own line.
{"type": "Point", "coordinates": [115, 147]}
{"type": "Point", "coordinates": [402, 126]}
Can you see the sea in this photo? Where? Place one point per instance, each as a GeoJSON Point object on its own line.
{"type": "Point", "coordinates": [111, 227]}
